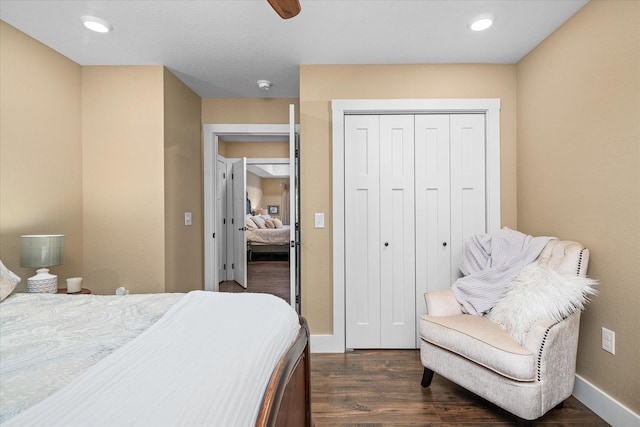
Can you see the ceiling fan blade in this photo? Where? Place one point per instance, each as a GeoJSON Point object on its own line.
{"type": "Point", "coordinates": [285, 8]}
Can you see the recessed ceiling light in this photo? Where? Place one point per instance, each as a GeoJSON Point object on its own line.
{"type": "Point", "coordinates": [264, 84]}
{"type": "Point", "coordinates": [482, 22]}
{"type": "Point", "coordinates": [96, 24]}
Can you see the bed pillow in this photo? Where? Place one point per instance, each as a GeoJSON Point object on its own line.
{"type": "Point", "coordinates": [540, 293]}
{"type": "Point", "coordinates": [269, 223]}
{"type": "Point", "coordinates": [277, 222]}
{"type": "Point", "coordinates": [249, 223]}
{"type": "Point", "coordinates": [8, 281]}
{"type": "Point", "coordinates": [259, 221]}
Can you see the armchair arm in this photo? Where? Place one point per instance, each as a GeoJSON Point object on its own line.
{"type": "Point", "coordinates": [442, 303]}
{"type": "Point", "coordinates": [556, 347]}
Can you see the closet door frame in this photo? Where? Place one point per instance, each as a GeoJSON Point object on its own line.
{"type": "Point", "coordinates": [488, 106]}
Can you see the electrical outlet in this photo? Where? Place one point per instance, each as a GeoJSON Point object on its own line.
{"type": "Point", "coordinates": [608, 341]}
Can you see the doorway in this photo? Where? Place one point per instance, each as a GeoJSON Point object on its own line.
{"type": "Point", "coordinates": [212, 232]}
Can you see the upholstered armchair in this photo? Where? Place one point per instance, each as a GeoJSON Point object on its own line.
{"type": "Point", "coordinates": [526, 378]}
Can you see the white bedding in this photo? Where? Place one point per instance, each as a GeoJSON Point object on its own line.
{"type": "Point", "coordinates": [207, 361]}
{"type": "Point", "coordinates": [44, 344]}
{"type": "Point", "coordinates": [269, 236]}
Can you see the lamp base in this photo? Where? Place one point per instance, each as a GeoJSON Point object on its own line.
{"type": "Point", "coordinates": [43, 282]}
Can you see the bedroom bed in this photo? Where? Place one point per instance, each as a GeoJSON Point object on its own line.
{"type": "Point", "coordinates": [195, 359]}
{"type": "Point", "coordinates": [268, 240]}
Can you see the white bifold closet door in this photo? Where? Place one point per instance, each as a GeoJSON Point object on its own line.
{"type": "Point", "coordinates": [450, 196]}
{"type": "Point", "coordinates": [380, 231]}
{"type": "Point", "coordinates": [414, 194]}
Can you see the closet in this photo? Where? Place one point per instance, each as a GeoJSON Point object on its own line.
{"type": "Point", "coordinates": [414, 188]}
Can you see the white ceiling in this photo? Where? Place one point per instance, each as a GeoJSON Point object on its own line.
{"type": "Point", "coordinates": [220, 48]}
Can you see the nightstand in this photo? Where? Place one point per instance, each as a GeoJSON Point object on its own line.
{"type": "Point", "coordinates": [64, 291]}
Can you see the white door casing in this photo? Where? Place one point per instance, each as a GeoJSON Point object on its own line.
{"type": "Point", "coordinates": [210, 150]}
{"type": "Point", "coordinates": [490, 108]}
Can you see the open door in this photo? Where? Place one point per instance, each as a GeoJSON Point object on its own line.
{"type": "Point", "coordinates": [238, 177]}
{"type": "Point", "coordinates": [294, 200]}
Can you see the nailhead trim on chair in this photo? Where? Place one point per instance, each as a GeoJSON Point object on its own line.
{"type": "Point", "coordinates": [546, 333]}
{"type": "Point", "coordinates": [580, 261]}
{"type": "Point", "coordinates": [544, 341]}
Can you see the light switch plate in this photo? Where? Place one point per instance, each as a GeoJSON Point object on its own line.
{"type": "Point", "coordinates": [187, 218]}
{"type": "Point", "coordinates": [319, 220]}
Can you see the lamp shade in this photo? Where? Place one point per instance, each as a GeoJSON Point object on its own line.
{"type": "Point", "coordinates": [41, 250]}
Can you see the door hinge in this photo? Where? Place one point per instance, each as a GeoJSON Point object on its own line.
{"type": "Point", "coordinates": [297, 153]}
{"type": "Point", "coordinates": [224, 220]}
{"type": "Point", "coordinates": [214, 235]}
{"type": "Point", "coordinates": [224, 175]}
{"type": "Point", "coordinates": [224, 266]}
{"type": "Point", "coordinates": [232, 221]}
{"type": "Point", "coordinates": [231, 176]}
{"type": "Point", "coordinates": [233, 266]}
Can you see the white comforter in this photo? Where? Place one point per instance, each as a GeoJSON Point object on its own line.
{"type": "Point", "coordinates": [207, 361]}
{"type": "Point", "coordinates": [269, 236]}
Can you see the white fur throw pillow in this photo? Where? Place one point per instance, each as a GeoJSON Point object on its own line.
{"type": "Point", "coordinates": [540, 293]}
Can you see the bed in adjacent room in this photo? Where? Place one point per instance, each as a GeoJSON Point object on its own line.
{"type": "Point", "coordinates": [266, 235]}
{"type": "Point", "coordinates": [201, 358]}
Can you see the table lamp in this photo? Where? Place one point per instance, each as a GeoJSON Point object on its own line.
{"type": "Point", "coordinates": [42, 251]}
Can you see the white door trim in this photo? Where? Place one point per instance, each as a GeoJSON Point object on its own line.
{"type": "Point", "coordinates": [489, 107]}
{"type": "Point", "coordinates": [211, 132]}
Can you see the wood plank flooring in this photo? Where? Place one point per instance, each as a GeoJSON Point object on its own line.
{"type": "Point", "coordinates": [382, 388]}
{"type": "Point", "coordinates": [271, 277]}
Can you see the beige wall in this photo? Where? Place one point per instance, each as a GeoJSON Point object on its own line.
{"type": "Point", "coordinates": [247, 110]}
{"type": "Point", "coordinates": [40, 151]}
{"type": "Point", "coordinates": [579, 172]}
{"type": "Point", "coordinates": [319, 84]}
{"type": "Point", "coordinates": [182, 186]}
{"type": "Point", "coordinates": [123, 178]}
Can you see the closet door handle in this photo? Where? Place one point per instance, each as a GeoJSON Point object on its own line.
{"type": "Point", "coordinates": [386, 243]}
{"type": "Point", "coordinates": [444, 243]}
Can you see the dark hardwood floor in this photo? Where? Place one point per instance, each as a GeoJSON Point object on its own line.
{"type": "Point", "coordinates": [271, 277]}
{"type": "Point", "coordinates": [382, 388]}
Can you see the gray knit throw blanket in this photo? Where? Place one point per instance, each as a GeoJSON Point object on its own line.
{"type": "Point", "coordinates": [489, 263]}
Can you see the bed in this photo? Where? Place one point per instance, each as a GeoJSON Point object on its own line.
{"type": "Point", "coordinates": [195, 359]}
{"type": "Point", "coordinates": [268, 240]}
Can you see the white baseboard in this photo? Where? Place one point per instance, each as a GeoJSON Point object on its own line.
{"type": "Point", "coordinates": [605, 406]}
{"type": "Point", "coordinates": [326, 344]}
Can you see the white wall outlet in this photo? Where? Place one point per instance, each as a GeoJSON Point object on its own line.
{"type": "Point", "coordinates": [608, 341]}
{"type": "Point", "coordinates": [187, 218]}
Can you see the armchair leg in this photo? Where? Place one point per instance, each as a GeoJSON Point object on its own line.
{"type": "Point", "coordinates": [427, 376]}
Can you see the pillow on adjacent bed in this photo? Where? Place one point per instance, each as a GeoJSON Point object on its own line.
{"type": "Point", "coordinates": [277, 222]}
{"type": "Point", "coordinates": [8, 281]}
{"type": "Point", "coordinates": [269, 223]}
{"type": "Point", "coordinates": [260, 222]}
{"type": "Point", "coordinates": [249, 223]}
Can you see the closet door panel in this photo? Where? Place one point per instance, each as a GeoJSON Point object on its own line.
{"type": "Point", "coordinates": [468, 182]}
{"type": "Point", "coordinates": [362, 231]}
{"type": "Point", "coordinates": [397, 259]}
{"type": "Point", "coordinates": [432, 206]}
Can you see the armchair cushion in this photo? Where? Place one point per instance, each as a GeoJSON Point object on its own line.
{"type": "Point", "coordinates": [482, 341]}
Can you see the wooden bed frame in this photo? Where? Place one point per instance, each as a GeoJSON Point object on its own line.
{"type": "Point", "coordinates": [287, 401]}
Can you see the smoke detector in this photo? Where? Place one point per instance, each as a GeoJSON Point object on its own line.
{"type": "Point", "coordinates": [264, 84]}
